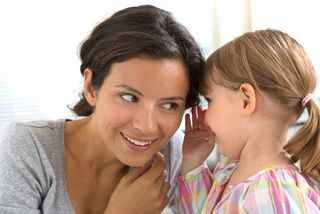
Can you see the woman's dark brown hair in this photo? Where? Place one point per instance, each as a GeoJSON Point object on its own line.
{"type": "Point", "coordinates": [139, 31]}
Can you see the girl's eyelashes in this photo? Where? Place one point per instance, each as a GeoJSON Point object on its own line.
{"type": "Point", "coordinates": [207, 99]}
{"type": "Point", "coordinates": [129, 97]}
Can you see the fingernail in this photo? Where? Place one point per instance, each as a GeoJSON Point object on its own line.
{"type": "Point", "coordinates": [166, 175]}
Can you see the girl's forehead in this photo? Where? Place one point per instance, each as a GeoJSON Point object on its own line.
{"type": "Point", "coordinates": [208, 86]}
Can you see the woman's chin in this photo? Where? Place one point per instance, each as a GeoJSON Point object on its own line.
{"type": "Point", "coordinates": [137, 163]}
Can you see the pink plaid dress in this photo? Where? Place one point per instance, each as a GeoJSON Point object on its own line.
{"type": "Point", "coordinates": [276, 189]}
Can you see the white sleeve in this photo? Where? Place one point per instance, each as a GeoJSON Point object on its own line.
{"type": "Point", "coordinates": [173, 156]}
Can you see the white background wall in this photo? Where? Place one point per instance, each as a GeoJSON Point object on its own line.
{"type": "Point", "coordinates": [39, 41]}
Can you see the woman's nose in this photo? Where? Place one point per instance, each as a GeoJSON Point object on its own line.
{"type": "Point", "coordinates": [145, 121]}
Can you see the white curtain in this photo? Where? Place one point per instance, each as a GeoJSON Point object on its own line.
{"type": "Point", "coordinates": [231, 18]}
{"type": "Point", "coordinates": [298, 18]}
{"type": "Point", "coordinates": [39, 41]}
{"type": "Point", "coordinates": [39, 66]}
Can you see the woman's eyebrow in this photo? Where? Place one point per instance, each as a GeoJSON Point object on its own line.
{"type": "Point", "coordinates": [138, 92]}
{"type": "Point", "coordinates": [173, 98]}
{"type": "Point", "coordinates": [128, 88]}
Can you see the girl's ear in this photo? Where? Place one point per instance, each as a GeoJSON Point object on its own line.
{"type": "Point", "coordinates": [88, 90]}
{"type": "Point", "coordinates": [248, 97]}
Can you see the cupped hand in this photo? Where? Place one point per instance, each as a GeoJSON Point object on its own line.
{"type": "Point", "coordinates": [143, 190]}
{"type": "Point", "coordinates": [198, 142]}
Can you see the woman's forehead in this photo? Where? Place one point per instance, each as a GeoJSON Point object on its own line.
{"type": "Point", "coordinates": [162, 76]}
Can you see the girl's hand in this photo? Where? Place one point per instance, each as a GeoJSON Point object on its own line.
{"type": "Point", "coordinates": [198, 141]}
{"type": "Point", "coordinates": [142, 190]}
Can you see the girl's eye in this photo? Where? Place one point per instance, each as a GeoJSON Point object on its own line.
{"type": "Point", "coordinates": [170, 106]}
{"type": "Point", "coordinates": [129, 97]}
{"type": "Point", "coordinates": [208, 100]}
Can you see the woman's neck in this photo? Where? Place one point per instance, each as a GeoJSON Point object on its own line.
{"type": "Point", "coordinates": [84, 148]}
{"type": "Point", "coordinates": [92, 171]}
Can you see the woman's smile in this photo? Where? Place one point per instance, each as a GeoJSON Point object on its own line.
{"type": "Point", "coordinates": [138, 144]}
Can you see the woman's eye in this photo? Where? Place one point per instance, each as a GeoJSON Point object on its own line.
{"type": "Point", "coordinates": [207, 99]}
{"type": "Point", "coordinates": [129, 97]}
{"type": "Point", "coordinates": [170, 106]}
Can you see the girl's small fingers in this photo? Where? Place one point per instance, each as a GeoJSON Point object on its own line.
{"type": "Point", "coordinates": [195, 126]}
{"type": "Point", "coordinates": [201, 126]}
{"type": "Point", "coordinates": [187, 123]}
{"type": "Point", "coordinates": [200, 122]}
{"type": "Point", "coordinates": [194, 114]}
{"type": "Point", "coordinates": [201, 113]}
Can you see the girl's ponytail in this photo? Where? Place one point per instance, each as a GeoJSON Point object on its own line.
{"type": "Point", "coordinates": [304, 146]}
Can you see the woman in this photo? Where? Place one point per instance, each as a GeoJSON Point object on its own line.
{"type": "Point", "coordinates": [141, 70]}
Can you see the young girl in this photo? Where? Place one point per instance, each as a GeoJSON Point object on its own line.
{"type": "Point", "coordinates": [257, 86]}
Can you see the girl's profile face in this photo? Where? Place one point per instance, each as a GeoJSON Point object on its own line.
{"type": "Point", "coordinates": [223, 116]}
{"type": "Point", "coordinates": [139, 107]}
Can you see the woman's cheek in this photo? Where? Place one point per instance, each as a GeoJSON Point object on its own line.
{"type": "Point", "coordinates": [171, 124]}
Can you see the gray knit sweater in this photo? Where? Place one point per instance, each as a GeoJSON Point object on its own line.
{"type": "Point", "coordinates": [32, 168]}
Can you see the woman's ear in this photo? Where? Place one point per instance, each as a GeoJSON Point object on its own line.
{"type": "Point", "coordinates": [248, 97]}
{"type": "Point", "coordinates": [88, 91]}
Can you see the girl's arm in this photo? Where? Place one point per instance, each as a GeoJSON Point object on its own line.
{"type": "Point", "coordinates": [198, 142]}
{"type": "Point", "coordinates": [193, 189]}
{"type": "Point", "coordinates": [195, 179]}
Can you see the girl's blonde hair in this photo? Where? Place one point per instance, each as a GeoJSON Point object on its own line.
{"type": "Point", "coordinates": [276, 64]}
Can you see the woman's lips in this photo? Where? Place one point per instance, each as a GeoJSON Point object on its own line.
{"type": "Point", "coordinates": [137, 145]}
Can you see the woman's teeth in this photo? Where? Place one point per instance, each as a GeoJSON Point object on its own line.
{"type": "Point", "coordinates": [137, 142]}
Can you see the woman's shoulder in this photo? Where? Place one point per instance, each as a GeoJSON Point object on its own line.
{"type": "Point", "coordinates": [31, 160]}
{"type": "Point", "coordinates": [21, 137]}
{"type": "Point", "coordinates": [25, 128]}
{"type": "Point", "coordinates": [35, 145]}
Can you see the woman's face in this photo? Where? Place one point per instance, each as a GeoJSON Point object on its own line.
{"type": "Point", "coordinates": [139, 107]}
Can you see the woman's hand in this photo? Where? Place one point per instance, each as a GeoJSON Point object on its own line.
{"type": "Point", "coordinates": [142, 190]}
{"type": "Point", "coordinates": [198, 141]}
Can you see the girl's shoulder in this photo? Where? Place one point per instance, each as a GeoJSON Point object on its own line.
{"type": "Point", "coordinates": [224, 169]}
{"type": "Point", "coordinates": [280, 176]}
{"type": "Point", "coordinates": [279, 188]}
{"type": "Point", "coordinates": [225, 164]}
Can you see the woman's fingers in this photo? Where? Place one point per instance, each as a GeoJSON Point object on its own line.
{"type": "Point", "coordinates": [135, 172]}
{"type": "Point", "coordinates": [156, 170]}
{"type": "Point", "coordinates": [152, 169]}
{"type": "Point", "coordinates": [164, 198]}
